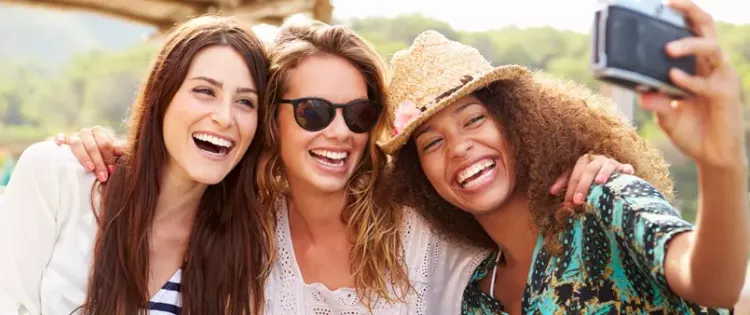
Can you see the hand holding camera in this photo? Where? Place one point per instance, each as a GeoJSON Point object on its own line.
{"type": "Point", "coordinates": [708, 127]}
{"type": "Point", "coordinates": [688, 83]}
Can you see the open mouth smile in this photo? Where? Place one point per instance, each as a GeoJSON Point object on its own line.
{"type": "Point", "coordinates": [329, 158]}
{"type": "Point", "coordinates": [476, 174]}
{"type": "Point", "coordinates": [213, 145]}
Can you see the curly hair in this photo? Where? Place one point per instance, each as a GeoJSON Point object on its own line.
{"type": "Point", "coordinates": [549, 123]}
{"type": "Point", "coordinates": [376, 256]}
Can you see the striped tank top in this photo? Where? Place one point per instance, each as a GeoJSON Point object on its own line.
{"type": "Point", "coordinates": [167, 301]}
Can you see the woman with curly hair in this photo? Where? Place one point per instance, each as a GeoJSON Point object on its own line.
{"type": "Point", "coordinates": [474, 150]}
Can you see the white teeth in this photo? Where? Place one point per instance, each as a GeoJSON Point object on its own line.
{"type": "Point", "coordinates": [478, 180]}
{"type": "Point", "coordinates": [324, 162]}
{"type": "Point", "coordinates": [331, 154]}
{"type": "Point", "coordinates": [474, 169]}
{"type": "Point", "coordinates": [213, 140]}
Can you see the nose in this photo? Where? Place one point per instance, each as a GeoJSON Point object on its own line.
{"type": "Point", "coordinates": [222, 114]}
{"type": "Point", "coordinates": [338, 129]}
{"type": "Point", "coordinates": [460, 147]}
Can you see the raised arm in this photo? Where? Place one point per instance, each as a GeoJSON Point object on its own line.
{"type": "Point", "coordinates": [708, 265]}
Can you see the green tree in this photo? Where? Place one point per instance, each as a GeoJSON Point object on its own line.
{"type": "Point", "coordinates": [38, 99]}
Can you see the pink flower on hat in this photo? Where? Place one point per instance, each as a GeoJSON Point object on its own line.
{"type": "Point", "coordinates": [405, 113]}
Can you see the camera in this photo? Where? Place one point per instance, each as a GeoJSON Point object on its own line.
{"type": "Point", "coordinates": [629, 38]}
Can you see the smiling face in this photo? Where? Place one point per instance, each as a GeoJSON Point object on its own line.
{"type": "Point", "coordinates": [321, 160]}
{"type": "Point", "coordinates": [212, 118]}
{"type": "Point", "coordinates": [466, 158]}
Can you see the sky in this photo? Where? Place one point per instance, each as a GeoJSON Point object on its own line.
{"type": "Point", "coordinates": [482, 15]}
{"type": "Point", "coordinates": [479, 15]}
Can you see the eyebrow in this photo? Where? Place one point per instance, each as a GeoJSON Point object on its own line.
{"type": "Point", "coordinates": [464, 106]}
{"type": "Point", "coordinates": [427, 128]}
{"type": "Point", "coordinates": [221, 85]}
{"type": "Point", "coordinates": [246, 90]}
{"type": "Point", "coordinates": [422, 131]}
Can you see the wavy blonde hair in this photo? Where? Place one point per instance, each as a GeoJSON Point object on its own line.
{"type": "Point", "coordinates": [549, 123]}
{"type": "Point", "coordinates": [376, 257]}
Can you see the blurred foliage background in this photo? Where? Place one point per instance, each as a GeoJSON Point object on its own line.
{"type": "Point", "coordinates": [65, 72]}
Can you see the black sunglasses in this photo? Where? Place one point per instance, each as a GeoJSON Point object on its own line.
{"type": "Point", "coordinates": [313, 114]}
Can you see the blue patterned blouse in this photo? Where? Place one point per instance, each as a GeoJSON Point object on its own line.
{"type": "Point", "coordinates": [613, 262]}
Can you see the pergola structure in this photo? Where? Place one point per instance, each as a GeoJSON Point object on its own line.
{"type": "Point", "coordinates": [164, 14]}
{"type": "Point", "coordinates": [624, 98]}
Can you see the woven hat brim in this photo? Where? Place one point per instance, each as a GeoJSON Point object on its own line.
{"type": "Point", "coordinates": [391, 144]}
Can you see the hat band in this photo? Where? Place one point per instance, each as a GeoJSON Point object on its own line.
{"type": "Point", "coordinates": [465, 80]}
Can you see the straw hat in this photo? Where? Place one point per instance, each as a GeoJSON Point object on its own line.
{"type": "Point", "coordinates": [431, 75]}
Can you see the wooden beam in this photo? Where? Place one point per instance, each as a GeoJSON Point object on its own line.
{"type": "Point", "coordinates": [284, 8]}
{"type": "Point", "coordinates": [176, 11]}
{"type": "Point", "coordinates": [322, 11]}
{"type": "Point", "coordinates": [271, 20]}
{"type": "Point", "coordinates": [624, 98]}
{"type": "Point", "coordinates": [96, 8]}
{"type": "Point", "coordinates": [196, 6]}
{"type": "Point", "coordinates": [229, 4]}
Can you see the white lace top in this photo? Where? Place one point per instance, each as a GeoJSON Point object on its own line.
{"type": "Point", "coordinates": [438, 269]}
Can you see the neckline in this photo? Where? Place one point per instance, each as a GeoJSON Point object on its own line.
{"type": "Point", "coordinates": [529, 277]}
{"type": "Point", "coordinates": [287, 233]}
{"type": "Point", "coordinates": [162, 290]}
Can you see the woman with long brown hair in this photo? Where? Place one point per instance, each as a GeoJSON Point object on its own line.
{"type": "Point", "coordinates": [474, 149]}
{"type": "Point", "coordinates": [177, 227]}
{"type": "Point", "coordinates": [340, 247]}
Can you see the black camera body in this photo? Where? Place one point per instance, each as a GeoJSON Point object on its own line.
{"type": "Point", "coordinates": [629, 39]}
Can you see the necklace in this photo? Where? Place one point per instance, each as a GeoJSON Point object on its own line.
{"type": "Point", "coordinates": [494, 276]}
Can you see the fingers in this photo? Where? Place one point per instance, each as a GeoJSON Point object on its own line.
{"type": "Point", "coordinates": [91, 154]}
{"type": "Point", "coordinates": [703, 23]}
{"type": "Point", "coordinates": [79, 150]}
{"type": "Point", "coordinates": [626, 169]}
{"type": "Point", "coordinates": [698, 46]}
{"type": "Point", "coordinates": [92, 148]}
{"type": "Point", "coordinates": [118, 147]}
{"type": "Point", "coordinates": [575, 176]}
{"type": "Point", "coordinates": [696, 84]}
{"type": "Point", "coordinates": [667, 121]}
{"type": "Point", "coordinates": [95, 149]}
{"type": "Point", "coordinates": [104, 143]}
{"type": "Point", "coordinates": [559, 184]}
{"type": "Point", "coordinates": [656, 102]}
{"type": "Point", "coordinates": [608, 167]}
{"type": "Point", "coordinates": [60, 139]}
{"type": "Point", "coordinates": [590, 172]}
{"type": "Point", "coordinates": [664, 108]}
{"type": "Point", "coordinates": [707, 50]}
{"type": "Point", "coordinates": [705, 47]}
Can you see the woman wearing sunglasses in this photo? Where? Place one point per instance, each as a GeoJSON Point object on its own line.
{"type": "Point", "coordinates": [341, 247]}
{"type": "Point", "coordinates": [177, 226]}
{"type": "Point", "coordinates": [474, 148]}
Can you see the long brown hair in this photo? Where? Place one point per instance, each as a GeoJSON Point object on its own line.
{"type": "Point", "coordinates": [228, 251]}
{"type": "Point", "coordinates": [376, 256]}
{"type": "Point", "coordinates": [548, 123]}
